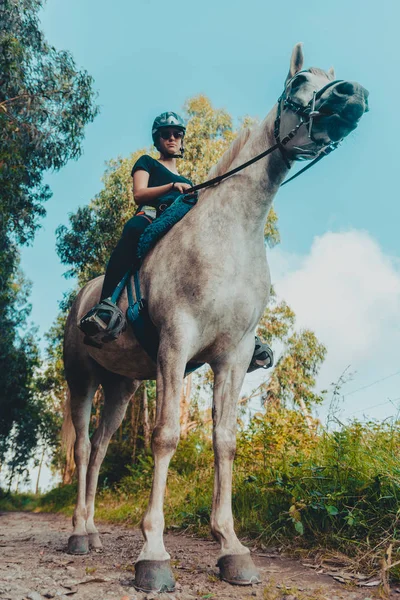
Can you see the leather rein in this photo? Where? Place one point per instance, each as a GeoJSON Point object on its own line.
{"type": "Point", "coordinates": [307, 114]}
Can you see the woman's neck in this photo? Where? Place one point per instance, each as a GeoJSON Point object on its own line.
{"type": "Point", "coordinates": [168, 161]}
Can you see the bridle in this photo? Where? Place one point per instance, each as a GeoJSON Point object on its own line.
{"type": "Point", "coordinates": [307, 114]}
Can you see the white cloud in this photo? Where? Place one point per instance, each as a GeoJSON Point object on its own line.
{"type": "Point", "coordinates": [347, 291]}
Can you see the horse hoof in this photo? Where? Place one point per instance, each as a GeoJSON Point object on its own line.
{"type": "Point", "coordinates": [154, 576]}
{"type": "Point", "coordinates": [95, 542]}
{"type": "Point", "coordinates": [78, 544]}
{"type": "Point", "coordinates": [238, 569]}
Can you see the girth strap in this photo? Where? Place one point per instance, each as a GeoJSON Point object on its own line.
{"type": "Point", "coordinates": [119, 289]}
{"type": "Point", "coordinates": [143, 327]}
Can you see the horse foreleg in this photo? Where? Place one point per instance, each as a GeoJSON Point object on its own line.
{"type": "Point", "coordinates": [235, 563]}
{"type": "Point", "coordinates": [117, 393]}
{"type": "Point", "coordinates": [152, 570]}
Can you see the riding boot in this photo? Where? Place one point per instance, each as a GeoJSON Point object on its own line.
{"type": "Point", "coordinates": [263, 357]}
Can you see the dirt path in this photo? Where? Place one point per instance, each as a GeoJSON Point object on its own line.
{"type": "Point", "coordinates": [34, 566]}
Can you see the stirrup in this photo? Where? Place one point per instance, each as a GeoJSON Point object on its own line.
{"type": "Point", "coordinates": [263, 357]}
{"type": "Point", "coordinates": [102, 323]}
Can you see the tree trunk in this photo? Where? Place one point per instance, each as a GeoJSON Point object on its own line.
{"type": "Point", "coordinates": [97, 403]}
{"type": "Point", "coordinates": [146, 421]}
{"type": "Point", "coordinates": [306, 414]}
{"type": "Point", "coordinates": [135, 422]}
{"type": "Point", "coordinates": [40, 470]}
{"type": "Point", "coordinates": [185, 405]}
{"type": "Point", "coordinates": [69, 468]}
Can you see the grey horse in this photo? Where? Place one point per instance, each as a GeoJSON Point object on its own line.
{"type": "Point", "coordinates": [207, 284]}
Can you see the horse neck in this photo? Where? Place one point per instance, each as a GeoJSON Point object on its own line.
{"type": "Point", "coordinates": [250, 192]}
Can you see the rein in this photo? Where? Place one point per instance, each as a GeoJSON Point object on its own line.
{"type": "Point", "coordinates": [307, 114]}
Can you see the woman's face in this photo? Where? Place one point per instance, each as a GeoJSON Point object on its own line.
{"type": "Point", "coordinates": [170, 140]}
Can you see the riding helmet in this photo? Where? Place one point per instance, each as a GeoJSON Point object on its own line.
{"type": "Point", "coordinates": [167, 119]}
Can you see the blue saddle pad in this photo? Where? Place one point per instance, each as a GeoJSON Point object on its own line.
{"type": "Point", "coordinates": [160, 226]}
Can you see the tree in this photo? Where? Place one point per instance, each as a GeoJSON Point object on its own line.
{"type": "Point", "coordinates": [294, 375]}
{"type": "Point", "coordinates": [45, 104]}
{"type": "Point", "coordinates": [18, 359]}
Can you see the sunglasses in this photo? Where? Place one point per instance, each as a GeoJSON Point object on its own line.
{"type": "Point", "coordinates": [167, 134]}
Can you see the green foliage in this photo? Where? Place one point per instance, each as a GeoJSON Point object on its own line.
{"type": "Point", "coordinates": [17, 502]}
{"type": "Point", "coordinates": [116, 465]}
{"type": "Point", "coordinates": [293, 486]}
{"type": "Point", "coordinates": [293, 379]}
{"type": "Point", "coordinates": [19, 409]}
{"type": "Point", "coordinates": [209, 133]}
{"type": "Point", "coordinates": [30, 413]}
{"type": "Point", "coordinates": [337, 489]}
{"type": "Point", "coordinates": [45, 103]}
{"type": "Point", "coordinates": [58, 499]}
{"type": "Point", "coordinates": [95, 229]}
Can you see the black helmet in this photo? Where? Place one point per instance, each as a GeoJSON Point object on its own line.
{"type": "Point", "coordinates": [167, 119]}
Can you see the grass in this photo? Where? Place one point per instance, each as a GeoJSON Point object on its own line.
{"type": "Point", "coordinates": [18, 502]}
{"type": "Point", "coordinates": [293, 488]}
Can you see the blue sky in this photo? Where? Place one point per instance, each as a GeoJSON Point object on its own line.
{"type": "Point", "coordinates": [147, 57]}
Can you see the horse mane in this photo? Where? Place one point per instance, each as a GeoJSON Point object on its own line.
{"type": "Point", "coordinates": [230, 154]}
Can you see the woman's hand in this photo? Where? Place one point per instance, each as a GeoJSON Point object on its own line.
{"type": "Point", "coordinates": [181, 187]}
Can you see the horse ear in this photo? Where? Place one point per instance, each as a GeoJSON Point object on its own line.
{"type": "Point", "coordinates": [296, 61]}
{"type": "Point", "coordinates": [331, 73]}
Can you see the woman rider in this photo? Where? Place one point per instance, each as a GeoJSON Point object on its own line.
{"type": "Point", "coordinates": [155, 183]}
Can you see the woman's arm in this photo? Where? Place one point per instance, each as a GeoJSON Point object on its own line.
{"type": "Point", "coordinates": [145, 195]}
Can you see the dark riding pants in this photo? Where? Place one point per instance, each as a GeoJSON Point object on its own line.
{"type": "Point", "coordinates": [124, 254]}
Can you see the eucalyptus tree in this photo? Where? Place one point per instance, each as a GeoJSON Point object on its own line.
{"type": "Point", "coordinates": [46, 101]}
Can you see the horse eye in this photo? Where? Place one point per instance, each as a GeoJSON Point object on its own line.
{"type": "Point", "coordinates": [298, 81]}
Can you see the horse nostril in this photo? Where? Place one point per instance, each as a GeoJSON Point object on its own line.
{"type": "Point", "coordinates": [345, 88]}
{"type": "Point", "coordinates": [354, 111]}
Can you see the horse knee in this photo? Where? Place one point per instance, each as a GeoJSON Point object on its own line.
{"type": "Point", "coordinates": [224, 443]}
{"type": "Point", "coordinates": [82, 451]}
{"type": "Point", "coordinates": [164, 439]}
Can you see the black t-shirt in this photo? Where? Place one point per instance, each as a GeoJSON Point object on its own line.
{"type": "Point", "coordinates": [159, 175]}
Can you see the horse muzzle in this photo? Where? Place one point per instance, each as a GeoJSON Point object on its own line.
{"type": "Point", "coordinates": [340, 110]}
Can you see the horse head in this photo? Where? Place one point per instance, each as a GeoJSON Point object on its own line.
{"type": "Point", "coordinates": [324, 109]}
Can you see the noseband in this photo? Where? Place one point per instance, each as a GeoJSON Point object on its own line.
{"type": "Point", "coordinates": [307, 114]}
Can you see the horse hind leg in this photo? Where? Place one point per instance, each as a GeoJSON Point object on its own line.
{"type": "Point", "coordinates": [80, 400]}
{"type": "Point", "coordinates": [118, 391]}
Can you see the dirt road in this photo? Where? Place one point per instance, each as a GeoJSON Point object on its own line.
{"type": "Point", "coordinates": [34, 566]}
